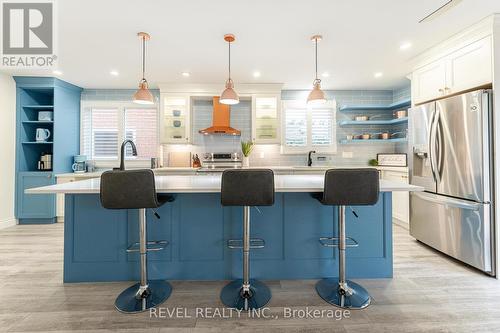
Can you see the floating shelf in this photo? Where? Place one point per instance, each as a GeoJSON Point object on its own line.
{"type": "Point", "coordinates": [38, 107]}
{"type": "Point", "coordinates": [37, 143]}
{"type": "Point", "coordinates": [357, 141]}
{"type": "Point", "coordinates": [374, 122]}
{"type": "Point", "coordinates": [390, 107]}
{"type": "Point", "coordinates": [38, 122]}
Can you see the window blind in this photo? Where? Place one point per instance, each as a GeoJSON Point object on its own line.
{"type": "Point", "coordinates": [100, 133]}
{"type": "Point", "coordinates": [321, 127]}
{"type": "Point", "coordinates": [141, 126]}
{"type": "Point", "coordinates": [308, 128]}
{"type": "Point", "coordinates": [296, 127]}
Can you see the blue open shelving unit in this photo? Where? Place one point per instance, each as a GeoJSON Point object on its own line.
{"type": "Point", "coordinates": [382, 109]}
{"type": "Point", "coordinates": [373, 122]}
{"type": "Point", "coordinates": [391, 107]}
{"type": "Point", "coordinates": [356, 141]}
{"type": "Point", "coordinates": [35, 94]}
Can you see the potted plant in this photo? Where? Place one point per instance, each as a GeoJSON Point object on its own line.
{"type": "Point", "coordinates": [246, 149]}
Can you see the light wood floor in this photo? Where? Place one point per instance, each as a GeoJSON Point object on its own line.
{"type": "Point", "coordinates": [429, 293]}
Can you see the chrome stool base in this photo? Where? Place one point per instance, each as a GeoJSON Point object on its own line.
{"type": "Point", "coordinates": [127, 302]}
{"type": "Point", "coordinates": [232, 295]}
{"type": "Point", "coordinates": [329, 290]}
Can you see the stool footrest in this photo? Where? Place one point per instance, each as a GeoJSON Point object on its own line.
{"type": "Point", "coordinates": [155, 246]}
{"type": "Point", "coordinates": [334, 242]}
{"type": "Point", "coordinates": [255, 243]}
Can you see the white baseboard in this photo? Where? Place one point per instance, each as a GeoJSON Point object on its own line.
{"type": "Point", "coordinates": [7, 223]}
{"type": "Point", "coordinates": [401, 223]}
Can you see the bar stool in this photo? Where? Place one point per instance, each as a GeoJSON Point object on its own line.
{"type": "Point", "coordinates": [135, 189]}
{"type": "Point", "coordinates": [346, 187]}
{"type": "Point", "coordinates": [251, 187]}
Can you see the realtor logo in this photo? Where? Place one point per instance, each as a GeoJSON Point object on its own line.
{"type": "Point", "coordinates": [28, 34]}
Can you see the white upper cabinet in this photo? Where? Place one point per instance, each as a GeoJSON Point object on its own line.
{"type": "Point", "coordinates": [175, 122]}
{"type": "Point", "coordinates": [429, 81]}
{"type": "Point", "coordinates": [468, 67]}
{"type": "Point", "coordinates": [265, 118]}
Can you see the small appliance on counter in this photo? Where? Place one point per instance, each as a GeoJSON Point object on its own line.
{"type": "Point", "coordinates": [42, 135]}
{"type": "Point", "coordinates": [79, 164]}
{"type": "Point", "coordinates": [45, 162]}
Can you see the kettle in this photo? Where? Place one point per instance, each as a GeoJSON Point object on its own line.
{"type": "Point", "coordinates": [42, 134]}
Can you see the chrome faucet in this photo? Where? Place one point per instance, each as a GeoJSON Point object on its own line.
{"type": "Point", "coordinates": [309, 159]}
{"type": "Point", "coordinates": [122, 152]}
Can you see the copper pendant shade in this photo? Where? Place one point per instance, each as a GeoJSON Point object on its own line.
{"type": "Point", "coordinates": [229, 96]}
{"type": "Point", "coordinates": [316, 96]}
{"type": "Point", "coordinates": [143, 95]}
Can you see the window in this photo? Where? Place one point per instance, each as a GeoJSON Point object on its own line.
{"type": "Point", "coordinates": [104, 128]}
{"type": "Point", "coordinates": [308, 128]}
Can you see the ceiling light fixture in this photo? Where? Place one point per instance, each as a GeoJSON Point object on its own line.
{"type": "Point", "coordinates": [57, 72]}
{"type": "Point", "coordinates": [229, 96]}
{"type": "Point", "coordinates": [186, 74]}
{"type": "Point", "coordinates": [114, 73]}
{"type": "Point", "coordinates": [256, 74]}
{"type": "Point", "coordinates": [143, 95]}
{"type": "Point", "coordinates": [405, 46]}
{"type": "Point", "coordinates": [378, 75]}
{"type": "Point", "coordinates": [316, 96]}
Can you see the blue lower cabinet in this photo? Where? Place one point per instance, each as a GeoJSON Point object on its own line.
{"type": "Point", "coordinates": [197, 228]}
{"type": "Point", "coordinates": [35, 208]}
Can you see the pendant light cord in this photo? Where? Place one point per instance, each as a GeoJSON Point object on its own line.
{"type": "Point", "coordinates": [316, 56]}
{"type": "Point", "coordinates": [143, 57]}
{"type": "Point", "coordinates": [229, 60]}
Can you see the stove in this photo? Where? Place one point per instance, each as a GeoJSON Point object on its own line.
{"type": "Point", "coordinates": [218, 162]}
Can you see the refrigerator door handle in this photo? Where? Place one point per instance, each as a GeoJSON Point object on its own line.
{"type": "Point", "coordinates": [432, 145]}
{"type": "Point", "coordinates": [447, 201]}
{"type": "Point", "coordinates": [439, 145]}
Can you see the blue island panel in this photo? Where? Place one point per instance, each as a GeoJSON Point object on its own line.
{"type": "Point", "coordinates": [197, 228]}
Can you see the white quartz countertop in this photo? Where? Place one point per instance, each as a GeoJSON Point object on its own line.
{"type": "Point", "coordinates": [211, 183]}
{"type": "Point", "coordinates": [183, 170]}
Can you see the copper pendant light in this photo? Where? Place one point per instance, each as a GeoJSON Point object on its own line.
{"type": "Point", "coordinates": [316, 96]}
{"type": "Point", "coordinates": [229, 96]}
{"type": "Point", "coordinates": [143, 95]}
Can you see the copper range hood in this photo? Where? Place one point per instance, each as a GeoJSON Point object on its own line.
{"type": "Point", "coordinates": [220, 120]}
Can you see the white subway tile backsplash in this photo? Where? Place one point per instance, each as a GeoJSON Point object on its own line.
{"type": "Point", "coordinates": [266, 155]}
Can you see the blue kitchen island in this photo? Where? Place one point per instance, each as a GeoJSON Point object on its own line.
{"type": "Point", "coordinates": [197, 229]}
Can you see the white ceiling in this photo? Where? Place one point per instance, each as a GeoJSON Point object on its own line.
{"type": "Point", "coordinates": [360, 37]}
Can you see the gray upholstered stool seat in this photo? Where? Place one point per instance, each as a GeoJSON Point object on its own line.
{"type": "Point", "coordinates": [135, 189]}
{"type": "Point", "coordinates": [346, 187]}
{"type": "Point", "coordinates": [250, 187]}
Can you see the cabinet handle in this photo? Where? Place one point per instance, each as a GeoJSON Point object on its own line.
{"type": "Point", "coordinates": [441, 90]}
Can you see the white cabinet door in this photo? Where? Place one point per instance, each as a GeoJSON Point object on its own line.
{"type": "Point", "coordinates": [400, 200]}
{"type": "Point", "coordinates": [429, 81]}
{"type": "Point", "coordinates": [470, 66]}
{"type": "Point", "coordinates": [175, 118]}
{"type": "Point", "coordinates": [265, 118]}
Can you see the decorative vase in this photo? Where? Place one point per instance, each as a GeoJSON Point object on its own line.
{"type": "Point", "coordinates": [246, 161]}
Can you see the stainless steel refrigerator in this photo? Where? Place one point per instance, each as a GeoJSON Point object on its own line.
{"type": "Point", "coordinates": [450, 155]}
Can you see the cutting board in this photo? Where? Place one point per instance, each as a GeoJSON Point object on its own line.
{"type": "Point", "coordinates": [179, 159]}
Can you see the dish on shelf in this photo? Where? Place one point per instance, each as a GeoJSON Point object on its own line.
{"type": "Point", "coordinates": [400, 114]}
